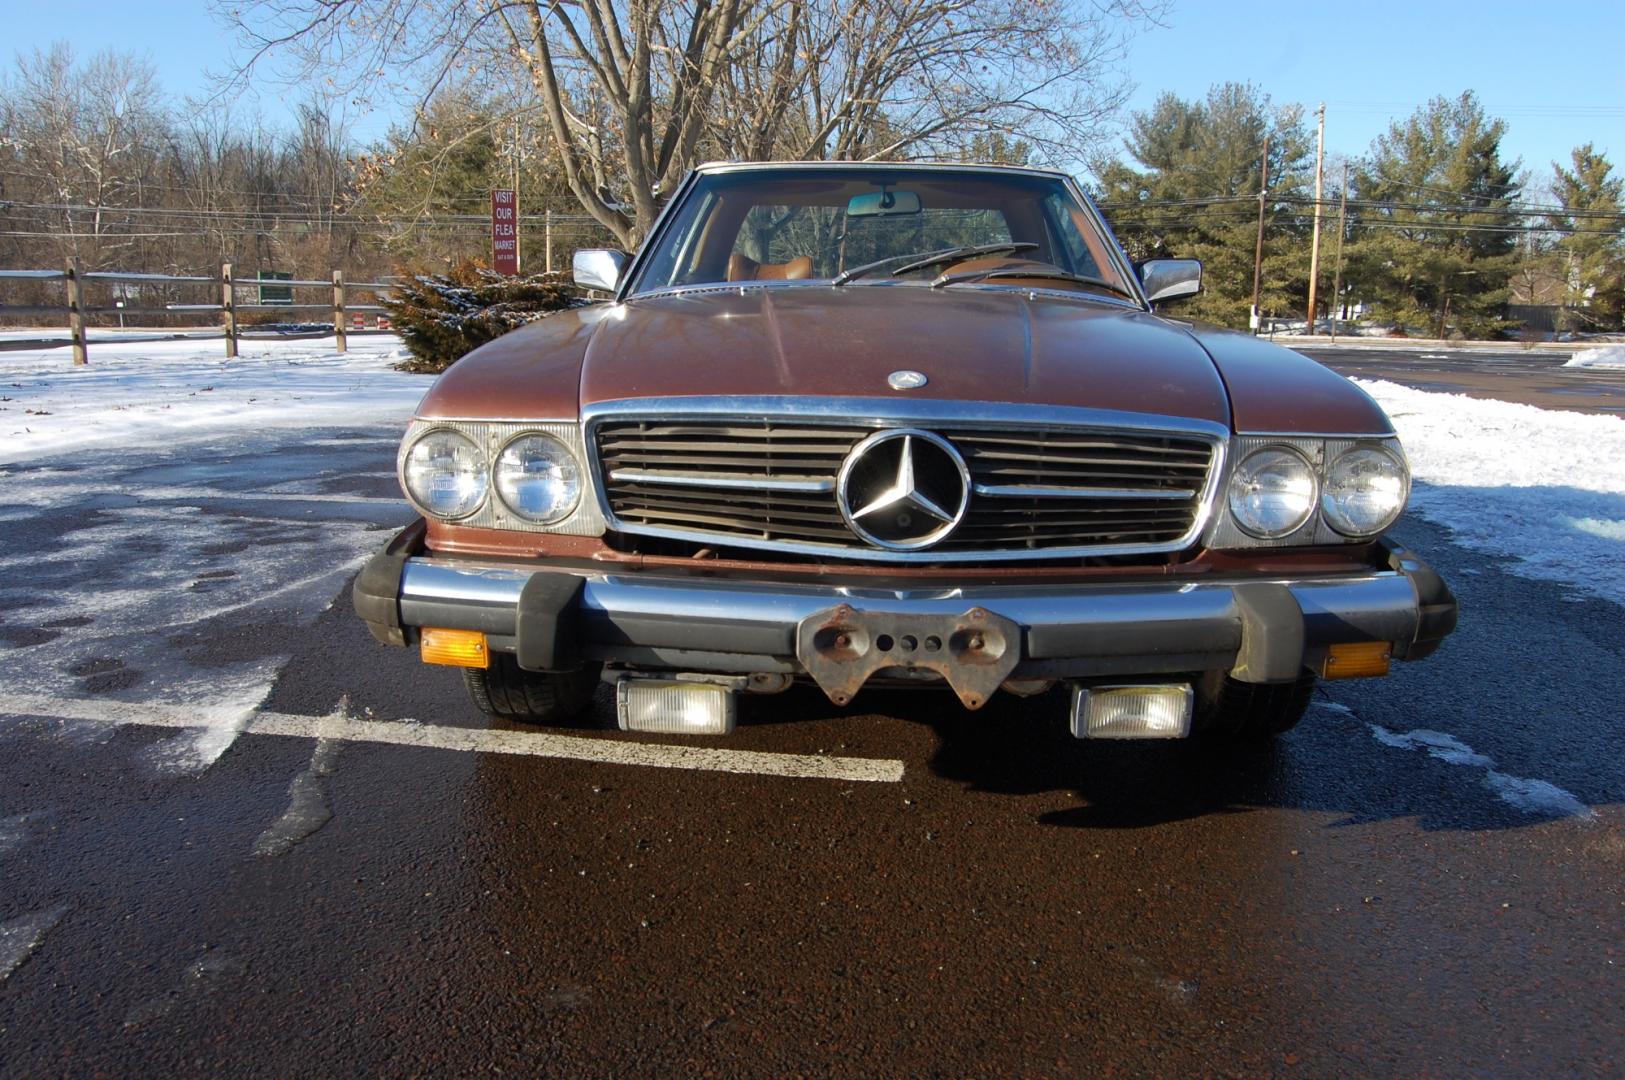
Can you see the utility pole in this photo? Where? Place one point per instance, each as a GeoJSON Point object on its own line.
{"type": "Point", "coordinates": [1337, 276]}
{"type": "Point", "coordinates": [1258, 256]}
{"type": "Point", "coordinates": [518, 248]}
{"type": "Point", "coordinates": [1314, 247]}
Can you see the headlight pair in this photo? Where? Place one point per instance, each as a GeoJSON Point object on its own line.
{"type": "Point", "coordinates": [1275, 490]}
{"type": "Point", "coordinates": [448, 476]}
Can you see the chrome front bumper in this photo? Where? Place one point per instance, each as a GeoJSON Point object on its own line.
{"type": "Point", "coordinates": [1260, 629]}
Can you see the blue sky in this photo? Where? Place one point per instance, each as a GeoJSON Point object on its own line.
{"type": "Point", "coordinates": [1553, 72]}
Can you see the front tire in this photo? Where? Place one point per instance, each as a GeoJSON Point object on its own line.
{"type": "Point", "coordinates": [1235, 711]}
{"type": "Point", "coordinates": [509, 692]}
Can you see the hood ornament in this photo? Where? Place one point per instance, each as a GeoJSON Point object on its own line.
{"type": "Point", "coordinates": [906, 380]}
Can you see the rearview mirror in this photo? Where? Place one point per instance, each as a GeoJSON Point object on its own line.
{"type": "Point", "coordinates": [1170, 279]}
{"type": "Point", "coordinates": [884, 204]}
{"type": "Point", "coordinates": [599, 268]}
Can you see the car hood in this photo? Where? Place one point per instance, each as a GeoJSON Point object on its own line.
{"type": "Point", "coordinates": [995, 345]}
{"type": "Point", "coordinates": [971, 344]}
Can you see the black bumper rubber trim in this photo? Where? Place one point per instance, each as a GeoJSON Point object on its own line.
{"type": "Point", "coordinates": [1437, 610]}
{"type": "Point", "coordinates": [547, 631]}
{"type": "Point", "coordinates": [377, 590]}
{"type": "Point", "coordinates": [1272, 634]}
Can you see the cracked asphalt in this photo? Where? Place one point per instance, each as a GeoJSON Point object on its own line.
{"type": "Point", "coordinates": [1397, 887]}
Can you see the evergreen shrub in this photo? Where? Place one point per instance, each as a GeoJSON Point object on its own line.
{"type": "Point", "coordinates": [442, 317]}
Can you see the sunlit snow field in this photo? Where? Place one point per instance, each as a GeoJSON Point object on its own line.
{"type": "Point", "coordinates": [170, 521]}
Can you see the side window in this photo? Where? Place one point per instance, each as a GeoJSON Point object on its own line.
{"type": "Point", "coordinates": [1059, 211]}
{"type": "Point", "coordinates": [670, 264]}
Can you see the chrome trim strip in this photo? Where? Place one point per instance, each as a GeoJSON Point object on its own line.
{"type": "Point", "coordinates": [740, 288]}
{"type": "Point", "coordinates": [880, 411]}
{"type": "Point", "coordinates": [706, 480]}
{"type": "Point", "coordinates": [1315, 435]}
{"type": "Point", "coordinates": [871, 166]}
{"type": "Point", "coordinates": [943, 416]}
{"type": "Point", "coordinates": [1035, 491]}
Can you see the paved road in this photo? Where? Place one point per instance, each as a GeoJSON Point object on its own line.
{"type": "Point", "coordinates": [1424, 878]}
{"type": "Point", "coordinates": [1532, 376]}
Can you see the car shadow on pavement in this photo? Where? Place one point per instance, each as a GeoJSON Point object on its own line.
{"type": "Point", "coordinates": [1329, 765]}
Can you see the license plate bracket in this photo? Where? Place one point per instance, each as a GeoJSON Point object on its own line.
{"type": "Point", "coordinates": [842, 647]}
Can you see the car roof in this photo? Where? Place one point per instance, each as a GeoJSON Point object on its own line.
{"type": "Point", "coordinates": [872, 166]}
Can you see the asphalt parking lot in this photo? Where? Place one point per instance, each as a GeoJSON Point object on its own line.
{"type": "Point", "coordinates": [1532, 376]}
{"type": "Point", "coordinates": [238, 835]}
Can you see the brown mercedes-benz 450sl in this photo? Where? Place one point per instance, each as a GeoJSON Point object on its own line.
{"type": "Point", "coordinates": [906, 425]}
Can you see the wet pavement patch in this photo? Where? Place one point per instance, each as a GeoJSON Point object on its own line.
{"type": "Point", "coordinates": [308, 806]}
{"type": "Point", "coordinates": [201, 978]}
{"type": "Point", "coordinates": [20, 937]}
{"type": "Point", "coordinates": [103, 674]}
{"type": "Point", "coordinates": [21, 637]}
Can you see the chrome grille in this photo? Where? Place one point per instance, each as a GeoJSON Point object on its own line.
{"type": "Point", "coordinates": [771, 483]}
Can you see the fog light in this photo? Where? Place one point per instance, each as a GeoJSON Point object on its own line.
{"type": "Point", "coordinates": [674, 708]}
{"type": "Point", "coordinates": [459, 648]}
{"type": "Point", "coordinates": [1355, 659]}
{"type": "Point", "coordinates": [1131, 712]}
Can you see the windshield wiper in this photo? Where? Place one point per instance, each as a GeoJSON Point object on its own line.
{"type": "Point", "coordinates": [928, 258]}
{"type": "Point", "coordinates": [1046, 275]}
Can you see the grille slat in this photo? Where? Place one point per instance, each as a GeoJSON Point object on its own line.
{"type": "Point", "coordinates": [686, 476]}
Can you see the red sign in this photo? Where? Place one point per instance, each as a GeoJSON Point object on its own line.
{"type": "Point", "coordinates": [504, 232]}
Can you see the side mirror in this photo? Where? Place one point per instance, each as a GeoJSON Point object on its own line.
{"type": "Point", "coordinates": [1170, 279]}
{"type": "Point", "coordinates": [599, 268]}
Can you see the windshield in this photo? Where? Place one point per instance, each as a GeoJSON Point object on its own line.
{"type": "Point", "coordinates": [886, 225]}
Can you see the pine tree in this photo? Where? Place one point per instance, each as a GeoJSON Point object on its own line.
{"type": "Point", "coordinates": [442, 317]}
{"type": "Point", "coordinates": [1195, 195]}
{"type": "Point", "coordinates": [1593, 244]}
{"type": "Point", "coordinates": [1434, 235]}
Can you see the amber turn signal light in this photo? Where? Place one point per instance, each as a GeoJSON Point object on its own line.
{"type": "Point", "coordinates": [459, 648]}
{"type": "Point", "coordinates": [1356, 659]}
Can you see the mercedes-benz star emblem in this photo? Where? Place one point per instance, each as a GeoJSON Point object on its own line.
{"type": "Point", "coordinates": [903, 489]}
{"type": "Point", "coordinates": [906, 380]}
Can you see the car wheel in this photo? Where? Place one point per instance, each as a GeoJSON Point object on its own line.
{"type": "Point", "coordinates": [508, 691]}
{"type": "Point", "coordinates": [1229, 709]}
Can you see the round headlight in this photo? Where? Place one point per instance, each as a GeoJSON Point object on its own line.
{"type": "Point", "coordinates": [1272, 492]}
{"type": "Point", "coordinates": [1365, 491]}
{"type": "Point", "coordinates": [446, 474]}
{"type": "Point", "coordinates": [538, 478]}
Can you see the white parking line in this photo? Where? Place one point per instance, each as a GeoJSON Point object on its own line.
{"type": "Point", "coordinates": [607, 751]}
{"type": "Point", "coordinates": [200, 495]}
{"type": "Point", "coordinates": [185, 494]}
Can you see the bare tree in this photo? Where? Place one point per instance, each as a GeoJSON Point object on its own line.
{"type": "Point", "coordinates": [85, 136]}
{"type": "Point", "coordinates": [634, 92]}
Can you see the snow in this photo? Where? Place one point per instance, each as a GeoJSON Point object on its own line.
{"type": "Point", "coordinates": [1526, 794]}
{"type": "Point", "coordinates": [152, 392]}
{"type": "Point", "coordinates": [1605, 356]}
{"type": "Point", "coordinates": [175, 459]}
{"type": "Point", "coordinates": [1543, 487]}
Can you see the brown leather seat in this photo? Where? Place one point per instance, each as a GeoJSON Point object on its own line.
{"type": "Point", "coordinates": [744, 268]}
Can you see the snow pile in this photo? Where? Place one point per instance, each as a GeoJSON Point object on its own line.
{"type": "Point", "coordinates": [150, 393]}
{"type": "Point", "coordinates": [1544, 487]}
{"type": "Point", "coordinates": [1605, 356]}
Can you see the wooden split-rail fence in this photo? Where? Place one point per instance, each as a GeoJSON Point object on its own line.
{"type": "Point", "coordinates": [76, 309]}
